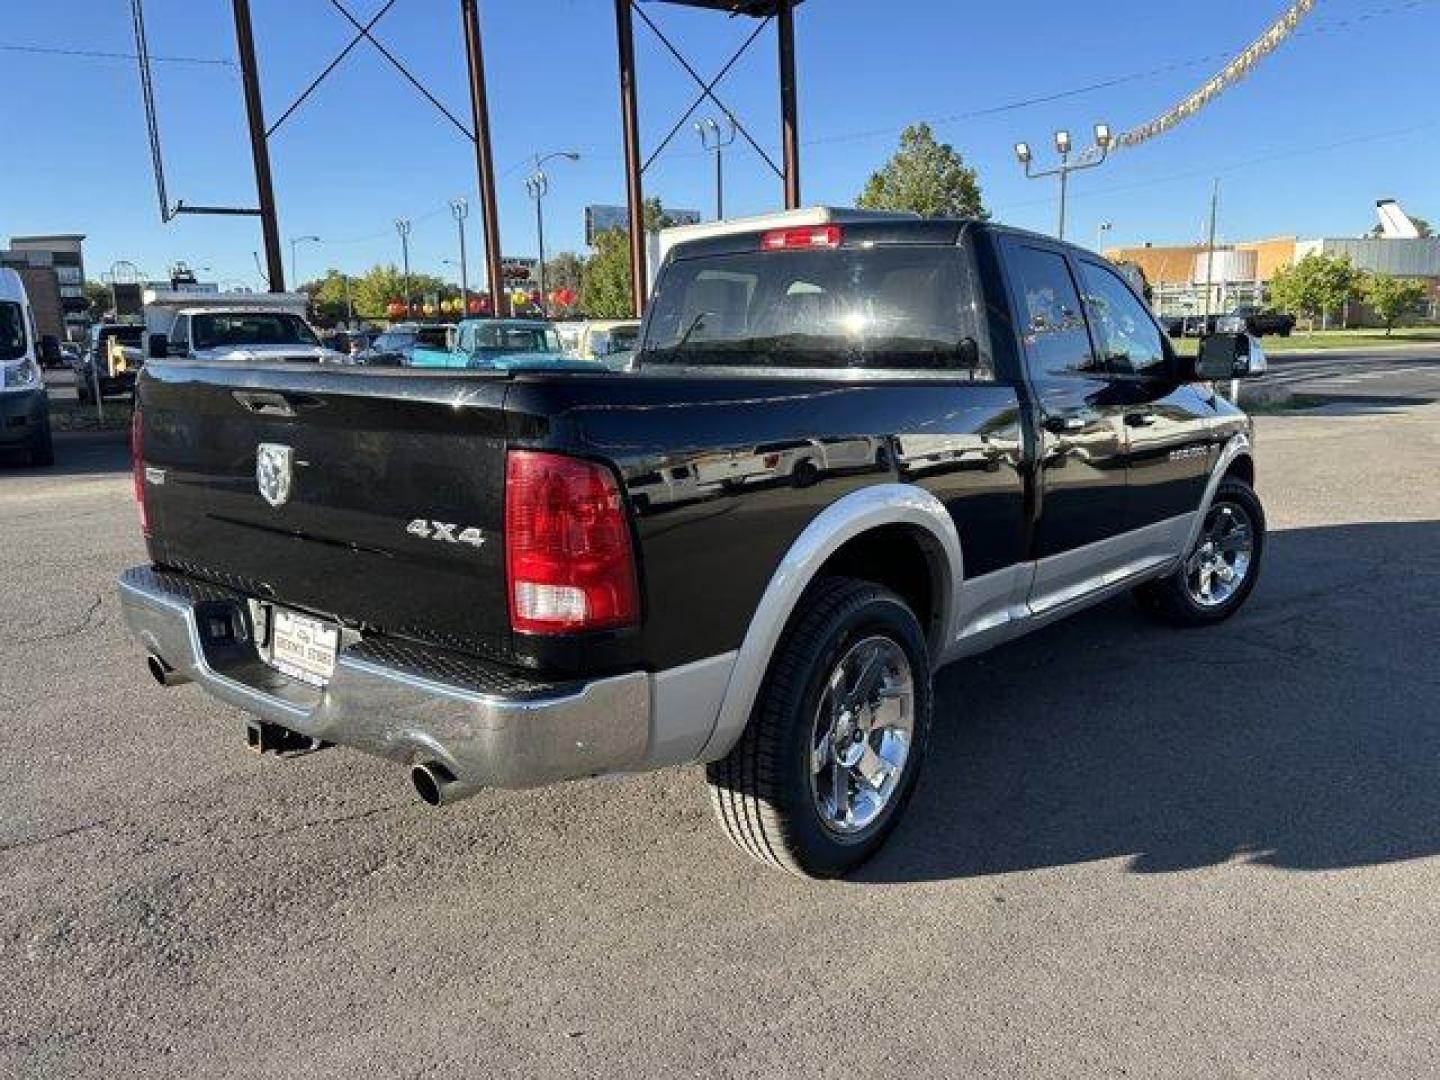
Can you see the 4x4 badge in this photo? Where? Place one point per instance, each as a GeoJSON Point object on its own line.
{"type": "Point", "coordinates": [274, 471]}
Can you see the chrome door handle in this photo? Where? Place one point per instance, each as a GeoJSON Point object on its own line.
{"type": "Point", "coordinates": [1140, 419]}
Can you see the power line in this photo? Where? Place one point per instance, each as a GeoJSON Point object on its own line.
{"type": "Point", "coordinates": [98, 54]}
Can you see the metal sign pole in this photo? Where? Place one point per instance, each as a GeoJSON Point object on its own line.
{"type": "Point", "coordinates": [630, 123]}
{"type": "Point", "coordinates": [484, 160]}
{"type": "Point", "coordinates": [259, 147]}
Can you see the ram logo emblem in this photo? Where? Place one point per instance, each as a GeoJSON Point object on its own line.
{"type": "Point", "coordinates": [274, 472]}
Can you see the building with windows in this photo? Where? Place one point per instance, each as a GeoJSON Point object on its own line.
{"type": "Point", "coordinates": [1240, 273]}
{"type": "Point", "coordinates": [53, 269]}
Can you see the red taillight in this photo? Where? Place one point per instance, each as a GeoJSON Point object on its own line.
{"type": "Point", "coordinates": [804, 236]}
{"type": "Point", "coordinates": [568, 559]}
{"type": "Point", "coordinates": [137, 468]}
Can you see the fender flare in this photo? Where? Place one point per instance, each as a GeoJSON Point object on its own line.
{"type": "Point", "coordinates": [857, 513]}
{"type": "Point", "coordinates": [1237, 446]}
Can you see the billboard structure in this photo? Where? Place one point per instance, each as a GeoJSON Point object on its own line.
{"type": "Point", "coordinates": [600, 218]}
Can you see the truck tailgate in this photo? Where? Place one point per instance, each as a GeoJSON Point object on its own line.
{"type": "Point", "coordinates": [393, 519]}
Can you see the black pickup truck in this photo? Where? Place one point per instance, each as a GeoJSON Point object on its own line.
{"type": "Point", "coordinates": [851, 449]}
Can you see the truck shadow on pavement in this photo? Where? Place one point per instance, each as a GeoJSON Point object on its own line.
{"type": "Point", "coordinates": [1300, 735]}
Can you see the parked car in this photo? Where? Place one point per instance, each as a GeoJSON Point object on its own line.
{"type": "Point", "coordinates": [511, 577]}
{"type": "Point", "coordinates": [262, 328]}
{"type": "Point", "coordinates": [70, 355]}
{"type": "Point", "coordinates": [611, 341]}
{"type": "Point", "coordinates": [24, 404]}
{"type": "Point", "coordinates": [1257, 321]}
{"type": "Point", "coordinates": [395, 347]}
{"type": "Point", "coordinates": [499, 343]}
{"type": "Point", "coordinates": [112, 358]}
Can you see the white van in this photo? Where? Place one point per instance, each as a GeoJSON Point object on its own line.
{"type": "Point", "coordinates": [24, 406]}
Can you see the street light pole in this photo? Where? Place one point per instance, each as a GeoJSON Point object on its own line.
{"type": "Point", "coordinates": [1065, 168]}
{"type": "Point", "coordinates": [715, 140]}
{"type": "Point", "coordinates": [294, 271]}
{"type": "Point", "coordinates": [1100, 231]}
{"type": "Point", "coordinates": [402, 226]}
{"type": "Point", "coordinates": [538, 186]}
{"type": "Point", "coordinates": [459, 209]}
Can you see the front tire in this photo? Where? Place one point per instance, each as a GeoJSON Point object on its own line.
{"type": "Point", "coordinates": [1219, 572]}
{"type": "Point", "coordinates": [834, 745]}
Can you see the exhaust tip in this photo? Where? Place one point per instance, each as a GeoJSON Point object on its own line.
{"type": "Point", "coordinates": [430, 780]}
{"type": "Point", "coordinates": [162, 672]}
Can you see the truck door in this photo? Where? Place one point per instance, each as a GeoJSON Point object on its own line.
{"type": "Point", "coordinates": [1079, 415]}
{"type": "Point", "coordinates": [1167, 422]}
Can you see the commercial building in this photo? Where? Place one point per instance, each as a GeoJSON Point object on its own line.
{"type": "Point", "coordinates": [53, 269]}
{"type": "Point", "coordinates": [1179, 276]}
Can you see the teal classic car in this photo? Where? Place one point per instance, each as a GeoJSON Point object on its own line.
{"type": "Point", "coordinates": [503, 344]}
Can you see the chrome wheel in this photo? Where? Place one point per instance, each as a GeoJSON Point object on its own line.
{"type": "Point", "coordinates": [862, 735]}
{"type": "Point", "coordinates": [1221, 561]}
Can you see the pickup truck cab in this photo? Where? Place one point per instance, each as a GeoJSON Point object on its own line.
{"type": "Point", "coordinates": [24, 404]}
{"type": "Point", "coordinates": [504, 578]}
{"type": "Point", "coordinates": [233, 327]}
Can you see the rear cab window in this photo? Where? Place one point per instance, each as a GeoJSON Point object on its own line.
{"type": "Point", "coordinates": [896, 308]}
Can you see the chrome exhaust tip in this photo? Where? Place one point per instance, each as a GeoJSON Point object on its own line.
{"type": "Point", "coordinates": [163, 673]}
{"type": "Point", "coordinates": [437, 786]}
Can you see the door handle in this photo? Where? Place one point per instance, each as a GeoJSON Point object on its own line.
{"type": "Point", "coordinates": [1140, 419]}
{"type": "Point", "coordinates": [1064, 425]}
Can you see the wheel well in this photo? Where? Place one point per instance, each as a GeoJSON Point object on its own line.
{"type": "Point", "coordinates": [1242, 468]}
{"type": "Point", "coordinates": [906, 560]}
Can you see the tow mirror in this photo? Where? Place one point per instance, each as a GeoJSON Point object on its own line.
{"type": "Point", "coordinates": [159, 347]}
{"type": "Point", "coordinates": [1229, 356]}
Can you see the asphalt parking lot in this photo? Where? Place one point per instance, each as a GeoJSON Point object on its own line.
{"type": "Point", "coordinates": [1135, 850]}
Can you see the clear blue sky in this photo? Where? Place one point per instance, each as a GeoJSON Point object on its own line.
{"type": "Point", "coordinates": [1344, 113]}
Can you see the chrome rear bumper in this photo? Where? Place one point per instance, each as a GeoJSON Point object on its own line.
{"type": "Point", "coordinates": [485, 725]}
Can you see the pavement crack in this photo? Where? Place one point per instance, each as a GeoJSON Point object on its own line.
{"type": "Point", "coordinates": [86, 623]}
{"type": "Point", "coordinates": [37, 841]}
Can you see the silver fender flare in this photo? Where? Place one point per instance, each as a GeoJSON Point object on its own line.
{"type": "Point", "coordinates": [1237, 446]}
{"type": "Point", "coordinates": [857, 513]}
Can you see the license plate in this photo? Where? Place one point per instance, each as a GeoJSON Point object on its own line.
{"type": "Point", "coordinates": [302, 647]}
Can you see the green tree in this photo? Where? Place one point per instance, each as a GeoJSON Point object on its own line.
{"type": "Point", "coordinates": [1315, 285]}
{"type": "Point", "coordinates": [925, 177]}
{"type": "Point", "coordinates": [1392, 297]}
{"type": "Point", "coordinates": [605, 286]}
{"type": "Point", "coordinates": [378, 286]}
{"type": "Point", "coordinates": [565, 271]}
{"type": "Point", "coordinates": [329, 300]}
{"type": "Point", "coordinates": [98, 297]}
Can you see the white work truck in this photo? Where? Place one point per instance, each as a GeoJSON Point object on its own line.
{"type": "Point", "coordinates": [245, 327]}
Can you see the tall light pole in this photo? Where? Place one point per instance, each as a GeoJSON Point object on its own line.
{"type": "Point", "coordinates": [1100, 231]}
{"type": "Point", "coordinates": [295, 240]}
{"type": "Point", "coordinates": [715, 140]}
{"type": "Point", "coordinates": [402, 226]}
{"type": "Point", "coordinates": [1065, 168]}
{"type": "Point", "coordinates": [459, 210]}
{"type": "Point", "coordinates": [538, 186]}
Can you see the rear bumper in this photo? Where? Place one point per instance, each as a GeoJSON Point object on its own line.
{"type": "Point", "coordinates": [486, 726]}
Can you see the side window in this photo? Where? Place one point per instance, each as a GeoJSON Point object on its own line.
{"type": "Point", "coordinates": [1053, 327]}
{"type": "Point", "coordinates": [1128, 336]}
{"type": "Point", "coordinates": [180, 334]}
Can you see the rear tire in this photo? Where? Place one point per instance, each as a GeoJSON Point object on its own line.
{"type": "Point", "coordinates": [42, 453]}
{"type": "Point", "coordinates": [1219, 572]}
{"type": "Point", "coordinates": [837, 736]}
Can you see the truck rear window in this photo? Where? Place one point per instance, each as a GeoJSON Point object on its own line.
{"type": "Point", "coordinates": [891, 308]}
